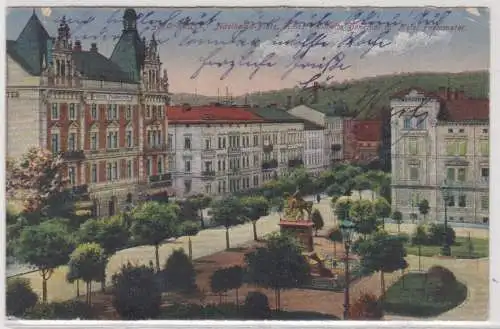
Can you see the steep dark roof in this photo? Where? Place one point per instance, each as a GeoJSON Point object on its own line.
{"type": "Point", "coordinates": [128, 54]}
{"type": "Point", "coordinates": [30, 48]}
{"type": "Point", "coordinates": [95, 66]}
{"type": "Point", "coordinates": [308, 125]}
{"type": "Point", "coordinates": [274, 114]}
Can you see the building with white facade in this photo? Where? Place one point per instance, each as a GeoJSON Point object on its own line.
{"type": "Point", "coordinates": [106, 116]}
{"type": "Point", "coordinates": [437, 137]}
{"type": "Point", "coordinates": [333, 131]}
{"type": "Point", "coordinates": [314, 147]}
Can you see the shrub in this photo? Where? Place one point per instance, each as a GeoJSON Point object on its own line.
{"type": "Point", "coordinates": [179, 274]}
{"type": "Point", "coordinates": [68, 310]}
{"type": "Point", "coordinates": [335, 234]}
{"type": "Point", "coordinates": [436, 232]}
{"type": "Point", "coordinates": [136, 292]}
{"type": "Point", "coordinates": [256, 306]}
{"type": "Point", "coordinates": [19, 296]}
{"type": "Point", "coordinates": [420, 236]}
{"type": "Point", "coordinates": [366, 307]}
{"type": "Point", "coordinates": [441, 273]}
{"type": "Point", "coordinates": [439, 283]}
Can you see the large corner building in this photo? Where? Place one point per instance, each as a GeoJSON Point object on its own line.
{"type": "Point", "coordinates": [105, 115]}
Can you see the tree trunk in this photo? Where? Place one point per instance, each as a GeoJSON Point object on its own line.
{"type": "Point", "coordinates": [279, 300]}
{"type": "Point", "coordinates": [382, 283]}
{"type": "Point", "coordinates": [373, 195]}
{"type": "Point", "coordinates": [77, 288]}
{"type": "Point", "coordinates": [334, 249]}
{"type": "Point", "coordinates": [237, 300]}
{"type": "Point", "coordinates": [316, 232]}
{"type": "Point", "coordinates": [254, 224]}
{"type": "Point", "coordinates": [157, 256]}
{"type": "Point", "coordinates": [227, 237]}
{"type": "Point", "coordinates": [359, 194]}
{"type": "Point", "coordinates": [89, 292]}
{"type": "Point", "coordinates": [220, 298]}
{"type": "Point", "coordinates": [190, 248]}
{"type": "Point", "coordinates": [103, 284]}
{"type": "Point", "coordinates": [46, 273]}
{"type": "Point", "coordinates": [403, 277]}
{"type": "Point", "coordinates": [201, 220]}
{"type": "Point", "coordinates": [399, 227]}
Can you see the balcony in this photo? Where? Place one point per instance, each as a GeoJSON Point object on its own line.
{"type": "Point", "coordinates": [161, 180]}
{"type": "Point", "coordinates": [234, 150]}
{"type": "Point", "coordinates": [269, 164]}
{"type": "Point", "coordinates": [294, 163]}
{"type": "Point", "coordinates": [267, 148]}
{"type": "Point", "coordinates": [156, 147]}
{"type": "Point", "coordinates": [336, 147]}
{"type": "Point", "coordinates": [208, 153]}
{"type": "Point", "coordinates": [73, 155]}
{"type": "Point", "coordinates": [208, 174]}
{"type": "Point", "coordinates": [234, 171]}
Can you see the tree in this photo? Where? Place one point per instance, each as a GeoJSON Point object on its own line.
{"type": "Point", "coordinates": [382, 209]}
{"type": "Point", "coordinates": [199, 202]}
{"type": "Point", "coordinates": [179, 272]}
{"type": "Point", "coordinates": [335, 235]}
{"type": "Point", "coordinates": [45, 246]}
{"type": "Point", "coordinates": [280, 265]}
{"type": "Point", "coordinates": [228, 212]}
{"type": "Point", "coordinates": [153, 222]}
{"type": "Point", "coordinates": [256, 306]}
{"type": "Point", "coordinates": [88, 262]}
{"type": "Point", "coordinates": [397, 216]}
{"type": "Point", "coordinates": [362, 213]}
{"type": "Point", "coordinates": [36, 178]}
{"type": "Point", "coordinates": [190, 229]}
{"type": "Point", "coordinates": [226, 279]}
{"type": "Point", "coordinates": [255, 207]}
{"type": "Point", "coordinates": [136, 292]}
{"type": "Point", "coordinates": [342, 208]}
{"type": "Point", "coordinates": [423, 208]}
{"type": "Point", "coordinates": [19, 296]}
{"type": "Point", "coordinates": [383, 252]}
{"type": "Point", "coordinates": [110, 233]}
{"type": "Point", "coordinates": [362, 183]}
{"type": "Point", "coordinates": [366, 307]}
{"type": "Point", "coordinates": [317, 220]}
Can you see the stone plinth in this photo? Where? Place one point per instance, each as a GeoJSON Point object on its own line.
{"type": "Point", "coordinates": [301, 230]}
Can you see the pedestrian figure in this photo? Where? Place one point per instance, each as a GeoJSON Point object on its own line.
{"type": "Point", "coordinates": [318, 198]}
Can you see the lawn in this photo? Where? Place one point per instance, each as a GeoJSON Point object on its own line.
{"type": "Point", "coordinates": [459, 249]}
{"type": "Point", "coordinates": [412, 295]}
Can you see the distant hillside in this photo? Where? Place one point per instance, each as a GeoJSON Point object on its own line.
{"type": "Point", "coordinates": [357, 93]}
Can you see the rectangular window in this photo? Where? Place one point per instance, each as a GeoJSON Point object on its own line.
{"type": "Point", "coordinates": [109, 171]}
{"type": "Point", "coordinates": [451, 201]}
{"type": "Point", "coordinates": [72, 112]}
{"type": "Point", "coordinates": [128, 138]}
{"type": "Point", "coordinates": [187, 143]}
{"type": "Point", "coordinates": [462, 151]}
{"type": "Point", "coordinates": [187, 166]}
{"type": "Point", "coordinates": [148, 167]}
{"type": "Point", "coordinates": [115, 140]}
{"type": "Point", "coordinates": [208, 145]}
{"type": "Point", "coordinates": [72, 175]}
{"type": "Point", "coordinates": [115, 111]}
{"type": "Point", "coordinates": [413, 173]}
{"type": "Point", "coordinates": [461, 174]}
{"type": "Point", "coordinates": [462, 201]}
{"type": "Point", "coordinates": [160, 164]}
{"type": "Point", "coordinates": [130, 172]}
{"type": "Point", "coordinates": [420, 123]}
{"type": "Point", "coordinates": [55, 143]}
{"type": "Point", "coordinates": [187, 186]}
{"type": "Point", "coordinates": [110, 113]}
{"type": "Point", "coordinates": [256, 140]}
{"type": "Point", "coordinates": [485, 202]}
{"type": "Point", "coordinates": [484, 148]}
{"type": "Point", "coordinates": [148, 111]}
{"type": "Point", "coordinates": [94, 141]}
{"type": "Point", "coordinates": [54, 115]}
{"type": "Point", "coordinates": [413, 147]}
{"type": "Point", "coordinates": [72, 142]}
{"type": "Point", "coordinates": [128, 113]}
{"type": "Point", "coordinates": [170, 142]}
{"type": "Point", "coordinates": [115, 170]}
{"type": "Point", "coordinates": [407, 123]}
{"type": "Point", "coordinates": [93, 112]}
{"type": "Point", "coordinates": [485, 173]}
{"type": "Point", "coordinates": [451, 148]}
{"type": "Point", "coordinates": [93, 173]}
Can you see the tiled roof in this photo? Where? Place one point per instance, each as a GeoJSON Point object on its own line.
{"type": "Point", "coordinates": [274, 114]}
{"type": "Point", "coordinates": [128, 54]}
{"type": "Point", "coordinates": [367, 131]}
{"type": "Point", "coordinates": [465, 110]}
{"type": "Point", "coordinates": [30, 48]}
{"type": "Point", "coordinates": [93, 65]}
{"type": "Point", "coordinates": [210, 114]}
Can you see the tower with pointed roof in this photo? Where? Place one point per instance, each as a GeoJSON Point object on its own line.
{"type": "Point", "coordinates": [62, 59]}
{"type": "Point", "coordinates": [152, 65]}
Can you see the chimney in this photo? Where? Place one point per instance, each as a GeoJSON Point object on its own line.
{"type": "Point", "coordinates": [93, 47]}
{"type": "Point", "coordinates": [78, 46]}
{"type": "Point", "coordinates": [289, 101]}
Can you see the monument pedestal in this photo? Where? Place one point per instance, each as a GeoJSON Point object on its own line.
{"type": "Point", "coordinates": [301, 230]}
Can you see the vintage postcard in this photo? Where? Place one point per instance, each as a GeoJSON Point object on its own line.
{"type": "Point", "coordinates": [247, 163]}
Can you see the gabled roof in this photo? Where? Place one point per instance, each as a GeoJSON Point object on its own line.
{"type": "Point", "coordinates": [30, 48]}
{"type": "Point", "coordinates": [274, 114]}
{"type": "Point", "coordinates": [210, 114]}
{"type": "Point", "coordinates": [95, 66]}
{"type": "Point", "coordinates": [309, 125]}
{"type": "Point", "coordinates": [465, 110]}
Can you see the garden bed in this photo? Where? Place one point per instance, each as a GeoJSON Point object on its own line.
{"type": "Point", "coordinates": [411, 296]}
{"type": "Point", "coordinates": [458, 250]}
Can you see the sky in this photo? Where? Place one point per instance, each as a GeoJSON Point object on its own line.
{"type": "Point", "coordinates": [244, 50]}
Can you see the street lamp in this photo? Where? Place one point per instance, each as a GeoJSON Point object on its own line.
{"type": "Point", "coordinates": [445, 192]}
{"type": "Point", "coordinates": [347, 228]}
